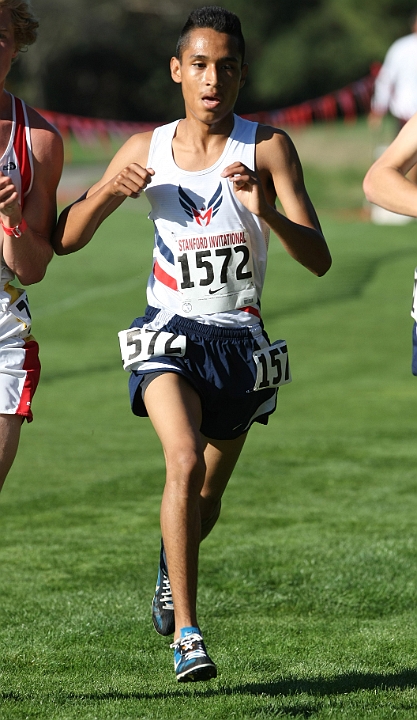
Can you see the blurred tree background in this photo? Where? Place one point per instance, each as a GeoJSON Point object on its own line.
{"type": "Point", "coordinates": [109, 59]}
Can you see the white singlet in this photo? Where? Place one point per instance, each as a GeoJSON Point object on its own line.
{"type": "Point", "coordinates": [210, 252]}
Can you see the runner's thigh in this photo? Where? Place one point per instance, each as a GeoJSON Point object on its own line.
{"type": "Point", "coordinates": [174, 409]}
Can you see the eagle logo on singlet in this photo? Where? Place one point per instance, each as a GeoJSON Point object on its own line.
{"type": "Point", "coordinates": [203, 215]}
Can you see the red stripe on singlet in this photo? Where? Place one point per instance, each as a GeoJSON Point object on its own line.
{"type": "Point", "coordinates": [21, 149]}
{"type": "Point", "coordinates": [251, 310]}
{"type": "Point", "coordinates": [33, 370]}
{"type": "Point", "coordinates": [163, 277]}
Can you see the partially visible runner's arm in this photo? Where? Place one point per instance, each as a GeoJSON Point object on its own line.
{"type": "Point", "coordinates": [385, 183]}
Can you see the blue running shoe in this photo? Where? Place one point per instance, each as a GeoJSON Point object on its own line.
{"type": "Point", "coordinates": [162, 604]}
{"type": "Point", "coordinates": [191, 661]}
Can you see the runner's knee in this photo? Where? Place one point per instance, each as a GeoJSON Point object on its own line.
{"type": "Point", "coordinates": [186, 469]}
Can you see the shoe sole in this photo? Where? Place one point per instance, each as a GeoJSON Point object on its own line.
{"type": "Point", "coordinates": [202, 672]}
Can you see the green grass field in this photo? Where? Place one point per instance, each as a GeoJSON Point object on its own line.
{"type": "Point", "coordinates": [308, 583]}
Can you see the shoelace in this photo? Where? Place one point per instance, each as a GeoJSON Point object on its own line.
{"type": "Point", "coordinates": [166, 594]}
{"type": "Point", "coordinates": [190, 645]}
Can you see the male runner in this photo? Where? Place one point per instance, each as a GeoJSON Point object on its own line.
{"type": "Point", "coordinates": [212, 180]}
{"type": "Point", "coordinates": [31, 157]}
{"type": "Point", "coordinates": [386, 184]}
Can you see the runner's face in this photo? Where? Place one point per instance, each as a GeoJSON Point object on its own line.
{"type": "Point", "coordinates": [8, 49]}
{"type": "Point", "coordinates": [211, 74]}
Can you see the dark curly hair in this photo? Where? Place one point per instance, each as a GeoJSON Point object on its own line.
{"type": "Point", "coordinates": [24, 22]}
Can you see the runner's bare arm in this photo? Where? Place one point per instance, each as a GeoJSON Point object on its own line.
{"type": "Point", "coordinates": [279, 174]}
{"type": "Point", "coordinates": [385, 182]}
{"type": "Point", "coordinates": [28, 255]}
{"type": "Point", "coordinates": [126, 176]}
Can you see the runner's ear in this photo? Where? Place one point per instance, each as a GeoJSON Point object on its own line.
{"type": "Point", "coordinates": [243, 75]}
{"type": "Point", "coordinates": [175, 66]}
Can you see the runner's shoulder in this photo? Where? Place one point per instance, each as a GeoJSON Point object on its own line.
{"type": "Point", "coordinates": [40, 126]}
{"type": "Point", "coordinates": [47, 144]}
{"type": "Point", "coordinates": [136, 148]}
{"type": "Point", "coordinates": [273, 145]}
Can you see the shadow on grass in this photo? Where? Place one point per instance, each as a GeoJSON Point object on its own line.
{"type": "Point", "coordinates": [353, 283]}
{"type": "Point", "coordinates": [339, 685]}
{"type": "Point", "coordinates": [317, 687]}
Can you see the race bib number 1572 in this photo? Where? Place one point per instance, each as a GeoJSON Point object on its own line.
{"type": "Point", "coordinates": [215, 272]}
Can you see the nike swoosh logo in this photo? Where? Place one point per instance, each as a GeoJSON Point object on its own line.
{"type": "Point", "coordinates": [212, 292]}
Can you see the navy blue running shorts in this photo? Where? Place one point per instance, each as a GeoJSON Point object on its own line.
{"type": "Point", "coordinates": [219, 365]}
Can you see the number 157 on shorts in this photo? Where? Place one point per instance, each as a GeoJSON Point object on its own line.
{"type": "Point", "coordinates": [272, 366]}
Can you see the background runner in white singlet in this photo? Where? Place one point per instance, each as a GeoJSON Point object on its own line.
{"type": "Point", "coordinates": [30, 168]}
